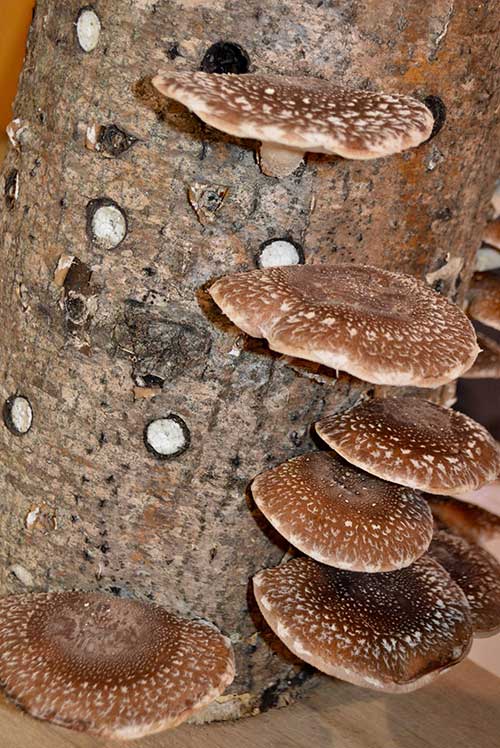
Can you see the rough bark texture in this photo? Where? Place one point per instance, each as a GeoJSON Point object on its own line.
{"type": "Point", "coordinates": [84, 504]}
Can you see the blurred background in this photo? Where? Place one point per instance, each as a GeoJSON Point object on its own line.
{"type": "Point", "coordinates": [479, 398]}
{"type": "Point", "coordinates": [15, 17]}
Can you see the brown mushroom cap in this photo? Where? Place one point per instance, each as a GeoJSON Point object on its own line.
{"type": "Point", "coordinates": [472, 522]}
{"type": "Point", "coordinates": [108, 666]}
{"type": "Point", "coordinates": [484, 298]}
{"type": "Point", "coordinates": [415, 443]}
{"type": "Point", "coordinates": [393, 631]}
{"type": "Point", "coordinates": [477, 573]}
{"type": "Point", "coordinates": [343, 517]}
{"type": "Point", "coordinates": [302, 114]}
{"type": "Point", "coordinates": [383, 327]}
{"type": "Point", "coordinates": [492, 233]}
{"type": "Point", "coordinates": [487, 364]}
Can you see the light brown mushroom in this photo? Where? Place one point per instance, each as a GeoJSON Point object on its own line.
{"type": "Point", "coordinates": [484, 298]}
{"type": "Point", "coordinates": [487, 364]}
{"type": "Point", "coordinates": [293, 115]}
{"type": "Point", "coordinates": [343, 517]}
{"type": "Point", "coordinates": [475, 524]}
{"type": "Point", "coordinates": [393, 631]}
{"type": "Point", "coordinates": [477, 573]}
{"type": "Point", "coordinates": [415, 443]}
{"type": "Point", "coordinates": [108, 666]}
{"type": "Point", "coordinates": [383, 327]}
{"type": "Point", "coordinates": [491, 233]}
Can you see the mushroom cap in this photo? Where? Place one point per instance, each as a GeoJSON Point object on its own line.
{"type": "Point", "coordinates": [477, 573]}
{"type": "Point", "coordinates": [343, 517]}
{"type": "Point", "coordinates": [484, 298]}
{"type": "Point", "coordinates": [393, 631]}
{"type": "Point", "coordinates": [108, 666]}
{"type": "Point", "coordinates": [492, 233]}
{"type": "Point", "coordinates": [472, 522]}
{"type": "Point", "coordinates": [415, 443]}
{"type": "Point", "coordinates": [306, 114]}
{"type": "Point", "coordinates": [383, 327]}
{"type": "Point", "coordinates": [487, 364]}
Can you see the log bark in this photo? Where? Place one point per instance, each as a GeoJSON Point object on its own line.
{"type": "Point", "coordinates": [129, 334]}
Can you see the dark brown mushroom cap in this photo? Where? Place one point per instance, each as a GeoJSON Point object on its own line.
{"type": "Point", "coordinates": [393, 631]}
{"type": "Point", "coordinates": [343, 517]}
{"type": "Point", "coordinates": [487, 364]}
{"type": "Point", "coordinates": [477, 573]}
{"type": "Point", "coordinates": [415, 443]}
{"type": "Point", "coordinates": [492, 233]}
{"type": "Point", "coordinates": [383, 327]}
{"type": "Point", "coordinates": [484, 298]}
{"type": "Point", "coordinates": [472, 522]}
{"type": "Point", "coordinates": [108, 666]}
{"type": "Point", "coordinates": [308, 114]}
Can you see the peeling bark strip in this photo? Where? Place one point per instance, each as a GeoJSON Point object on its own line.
{"type": "Point", "coordinates": [180, 531]}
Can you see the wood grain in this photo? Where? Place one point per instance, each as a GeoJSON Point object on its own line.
{"type": "Point", "coordinates": [459, 710]}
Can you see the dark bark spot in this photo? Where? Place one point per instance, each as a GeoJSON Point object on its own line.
{"type": "Point", "coordinates": [172, 51]}
{"type": "Point", "coordinates": [225, 57]}
{"type": "Point", "coordinates": [11, 188]}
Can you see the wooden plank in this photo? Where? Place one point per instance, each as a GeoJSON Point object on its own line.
{"type": "Point", "coordinates": [459, 710]}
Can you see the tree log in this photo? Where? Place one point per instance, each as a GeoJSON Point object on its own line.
{"type": "Point", "coordinates": [104, 343]}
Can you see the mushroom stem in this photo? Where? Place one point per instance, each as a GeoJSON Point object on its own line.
{"type": "Point", "coordinates": [277, 160]}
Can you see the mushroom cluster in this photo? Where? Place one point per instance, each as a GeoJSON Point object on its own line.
{"type": "Point", "coordinates": [379, 598]}
{"type": "Point", "coordinates": [382, 600]}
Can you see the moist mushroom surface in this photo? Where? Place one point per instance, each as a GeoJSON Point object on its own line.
{"type": "Point", "coordinates": [294, 115]}
{"type": "Point", "coordinates": [108, 666]}
{"type": "Point", "coordinates": [393, 631]}
{"type": "Point", "coordinates": [415, 443]}
{"type": "Point", "coordinates": [343, 517]}
{"type": "Point", "coordinates": [383, 327]}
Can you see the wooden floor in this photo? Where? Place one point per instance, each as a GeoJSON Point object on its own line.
{"type": "Point", "coordinates": [460, 710]}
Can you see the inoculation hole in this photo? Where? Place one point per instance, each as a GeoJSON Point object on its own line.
{"type": "Point", "coordinates": [280, 252]}
{"type": "Point", "coordinates": [225, 57]}
{"type": "Point", "coordinates": [18, 415]}
{"type": "Point", "coordinates": [438, 110]}
{"type": "Point", "coordinates": [11, 189]}
{"type": "Point", "coordinates": [167, 437]}
{"type": "Point", "coordinates": [106, 223]}
{"type": "Point", "coordinates": [115, 141]}
{"type": "Point", "coordinates": [88, 28]}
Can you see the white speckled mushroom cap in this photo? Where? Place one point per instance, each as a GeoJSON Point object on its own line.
{"type": "Point", "coordinates": [393, 631]}
{"type": "Point", "coordinates": [307, 114]}
{"type": "Point", "coordinates": [343, 517]}
{"type": "Point", "coordinates": [484, 299]}
{"type": "Point", "coordinates": [383, 327]}
{"type": "Point", "coordinates": [415, 443]}
{"type": "Point", "coordinates": [108, 666]}
{"type": "Point", "coordinates": [477, 573]}
{"type": "Point", "coordinates": [472, 522]}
